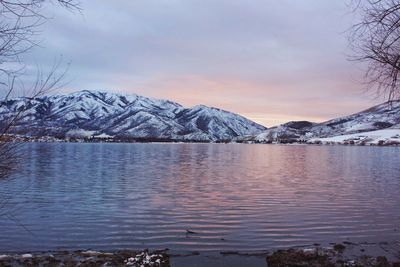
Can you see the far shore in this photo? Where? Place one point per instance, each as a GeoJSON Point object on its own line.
{"type": "Point", "coordinates": [47, 139]}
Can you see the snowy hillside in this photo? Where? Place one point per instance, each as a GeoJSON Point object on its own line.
{"type": "Point", "coordinates": [103, 114]}
{"type": "Point", "coordinates": [384, 116]}
{"type": "Point", "coordinates": [288, 132]}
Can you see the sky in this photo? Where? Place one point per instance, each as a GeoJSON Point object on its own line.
{"type": "Point", "coordinates": [270, 61]}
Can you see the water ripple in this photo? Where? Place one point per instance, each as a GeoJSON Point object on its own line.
{"type": "Point", "coordinates": [230, 197]}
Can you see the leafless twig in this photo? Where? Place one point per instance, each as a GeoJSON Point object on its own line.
{"type": "Point", "coordinates": [376, 41]}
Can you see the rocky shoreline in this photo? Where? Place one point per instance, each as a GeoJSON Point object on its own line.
{"type": "Point", "coordinates": [339, 255]}
{"type": "Point", "coordinates": [335, 255]}
{"type": "Point", "coordinates": [87, 259]}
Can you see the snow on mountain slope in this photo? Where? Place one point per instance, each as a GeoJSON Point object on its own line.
{"type": "Point", "coordinates": [215, 123]}
{"type": "Point", "coordinates": [383, 116]}
{"type": "Point", "coordinates": [288, 132]}
{"type": "Point", "coordinates": [93, 113]}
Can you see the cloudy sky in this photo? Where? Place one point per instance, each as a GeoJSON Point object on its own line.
{"type": "Point", "coordinates": [271, 61]}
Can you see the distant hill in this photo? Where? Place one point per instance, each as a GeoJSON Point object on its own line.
{"type": "Point", "coordinates": [350, 128]}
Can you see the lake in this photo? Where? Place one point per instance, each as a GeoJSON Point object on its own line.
{"type": "Point", "coordinates": [229, 196]}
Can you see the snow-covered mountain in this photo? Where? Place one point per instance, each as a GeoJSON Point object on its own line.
{"type": "Point", "coordinates": [94, 113]}
{"type": "Point", "coordinates": [383, 116]}
{"type": "Point", "coordinates": [386, 115]}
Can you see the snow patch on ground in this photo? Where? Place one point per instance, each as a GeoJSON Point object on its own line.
{"type": "Point", "coordinates": [79, 133]}
{"type": "Point", "coordinates": [26, 256]}
{"type": "Point", "coordinates": [103, 135]}
{"type": "Point", "coordinates": [378, 137]}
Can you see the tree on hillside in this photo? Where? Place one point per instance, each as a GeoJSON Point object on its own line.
{"type": "Point", "coordinates": [376, 41]}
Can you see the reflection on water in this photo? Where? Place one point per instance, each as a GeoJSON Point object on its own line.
{"type": "Point", "coordinates": [241, 197]}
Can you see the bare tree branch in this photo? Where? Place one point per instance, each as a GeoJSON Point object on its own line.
{"type": "Point", "coordinates": [20, 25]}
{"type": "Point", "coordinates": [376, 41]}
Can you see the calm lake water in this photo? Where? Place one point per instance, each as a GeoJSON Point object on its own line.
{"type": "Point", "coordinates": [234, 196]}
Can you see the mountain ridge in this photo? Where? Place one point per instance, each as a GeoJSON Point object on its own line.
{"type": "Point", "coordinates": [88, 114]}
{"type": "Point", "coordinates": [94, 113]}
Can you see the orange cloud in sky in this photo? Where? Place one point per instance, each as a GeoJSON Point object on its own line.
{"type": "Point", "coordinates": [247, 57]}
